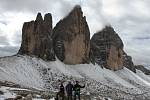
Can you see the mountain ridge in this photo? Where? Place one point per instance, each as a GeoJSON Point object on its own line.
{"type": "Point", "coordinates": [70, 41]}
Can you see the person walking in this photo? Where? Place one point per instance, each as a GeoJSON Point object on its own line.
{"type": "Point", "coordinates": [76, 89]}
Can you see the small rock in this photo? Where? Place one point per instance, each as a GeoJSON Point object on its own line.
{"type": "Point", "coordinates": [1, 93]}
{"type": "Point", "coordinates": [28, 97]}
{"type": "Point", "coordinates": [18, 97]}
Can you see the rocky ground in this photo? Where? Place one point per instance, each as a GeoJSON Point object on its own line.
{"type": "Point", "coordinates": [11, 91]}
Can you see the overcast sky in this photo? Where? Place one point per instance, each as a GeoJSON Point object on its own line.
{"type": "Point", "coordinates": [130, 19]}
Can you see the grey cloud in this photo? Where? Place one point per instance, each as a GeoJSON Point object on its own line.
{"type": "Point", "coordinates": [35, 6]}
{"type": "Point", "coordinates": [138, 8]}
{"type": "Point", "coordinates": [23, 5]}
{"type": "Point", "coordinates": [9, 48]}
{"type": "Point", "coordinates": [16, 39]}
{"type": "Point", "coordinates": [139, 53]}
{"type": "Point", "coordinates": [134, 28]}
{"type": "Point", "coordinates": [142, 38]}
{"type": "Point", "coordinates": [59, 8]}
{"type": "Point", "coordinates": [139, 50]}
{"type": "Point", "coordinates": [3, 40]}
{"type": "Point", "coordinates": [8, 51]}
{"type": "Point", "coordinates": [3, 22]}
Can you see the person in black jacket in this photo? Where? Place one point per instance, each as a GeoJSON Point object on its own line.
{"type": "Point", "coordinates": [61, 94]}
{"type": "Point", "coordinates": [62, 88]}
{"type": "Point", "coordinates": [69, 89]}
{"type": "Point", "coordinates": [76, 89]}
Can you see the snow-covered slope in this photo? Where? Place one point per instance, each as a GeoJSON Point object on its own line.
{"type": "Point", "coordinates": [20, 70]}
{"type": "Point", "coordinates": [147, 67]}
{"type": "Point", "coordinates": [35, 73]}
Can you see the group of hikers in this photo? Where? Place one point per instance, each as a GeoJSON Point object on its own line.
{"type": "Point", "coordinates": [72, 91]}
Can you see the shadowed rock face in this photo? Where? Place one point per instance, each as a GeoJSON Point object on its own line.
{"type": "Point", "coordinates": [128, 63]}
{"type": "Point", "coordinates": [71, 38]}
{"type": "Point", "coordinates": [36, 38]}
{"type": "Point", "coordinates": [107, 49]}
{"type": "Point", "coordinates": [143, 69]}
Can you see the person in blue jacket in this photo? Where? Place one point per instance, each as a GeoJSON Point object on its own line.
{"type": "Point", "coordinates": [69, 90]}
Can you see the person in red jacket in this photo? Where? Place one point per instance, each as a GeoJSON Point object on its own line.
{"type": "Point", "coordinates": [76, 89]}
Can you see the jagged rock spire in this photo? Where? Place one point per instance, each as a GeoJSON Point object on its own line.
{"type": "Point", "coordinates": [72, 38]}
{"type": "Point", "coordinates": [36, 38]}
{"type": "Point", "coordinates": [39, 17]}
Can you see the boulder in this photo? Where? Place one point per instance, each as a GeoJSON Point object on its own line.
{"type": "Point", "coordinates": [36, 38]}
{"type": "Point", "coordinates": [107, 49]}
{"type": "Point", "coordinates": [71, 38]}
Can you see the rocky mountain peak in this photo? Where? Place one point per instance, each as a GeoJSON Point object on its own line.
{"type": "Point", "coordinates": [48, 23]}
{"type": "Point", "coordinates": [111, 35]}
{"type": "Point", "coordinates": [71, 38]}
{"type": "Point", "coordinates": [39, 17]}
{"type": "Point", "coordinates": [48, 17]}
{"type": "Point", "coordinates": [107, 49]}
{"type": "Point", "coordinates": [108, 28]}
{"type": "Point", "coordinates": [77, 11]}
{"type": "Point", "coordinates": [36, 38]}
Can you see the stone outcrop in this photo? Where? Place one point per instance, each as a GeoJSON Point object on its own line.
{"type": "Point", "coordinates": [71, 38]}
{"type": "Point", "coordinates": [143, 69]}
{"type": "Point", "coordinates": [128, 63]}
{"type": "Point", "coordinates": [36, 38]}
{"type": "Point", "coordinates": [107, 49]}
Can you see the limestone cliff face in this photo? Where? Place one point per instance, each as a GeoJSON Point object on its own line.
{"type": "Point", "coordinates": [36, 38]}
{"type": "Point", "coordinates": [107, 49]}
{"type": "Point", "coordinates": [115, 58]}
{"type": "Point", "coordinates": [71, 38]}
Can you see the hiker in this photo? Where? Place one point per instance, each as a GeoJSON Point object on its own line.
{"type": "Point", "coordinates": [76, 89]}
{"type": "Point", "coordinates": [69, 89]}
{"type": "Point", "coordinates": [61, 94]}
